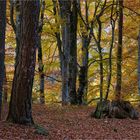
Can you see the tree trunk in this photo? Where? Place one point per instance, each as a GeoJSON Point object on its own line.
{"type": "Point", "coordinates": [100, 57]}
{"type": "Point", "coordinates": [41, 73]}
{"type": "Point", "coordinates": [57, 33]}
{"type": "Point", "coordinates": [65, 14]}
{"type": "Point", "coordinates": [73, 54]}
{"type": "Point", "coordinates": [40, 58]}
{"type": "Point", "coordinates": [2, 47]}
{"type": "Point", "coordinates": [20, 109]}
{"type": "Point", "coordinates": [69, 62]}
{"type": "Point", "coordinates": [113, 22]}
{"type": "Point", "coordinates": [5, 88]}
{"type": "Point", "coordinates": [139, 63]}
{"type": "Point", "coordinates": [119, 52]}
{"type": "Point", "coordinates": [83, 73]}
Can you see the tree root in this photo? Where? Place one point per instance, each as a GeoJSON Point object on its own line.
{"type": "Point", "coordinates": [115, 109]}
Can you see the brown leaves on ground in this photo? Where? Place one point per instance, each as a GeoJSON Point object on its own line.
{"type": "Point", "coordinates": [66, 123]}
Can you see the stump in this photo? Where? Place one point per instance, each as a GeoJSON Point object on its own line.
{"type": "Point", "coordinates": [115, 109]}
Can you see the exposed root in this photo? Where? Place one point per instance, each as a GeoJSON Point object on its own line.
{"type": "Point", "coordinates": [115, 109]}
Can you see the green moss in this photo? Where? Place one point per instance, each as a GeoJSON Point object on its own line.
{"type": "Point", "coordinates": [40, 130]}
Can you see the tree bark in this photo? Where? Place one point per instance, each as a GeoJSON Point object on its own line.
{"type": "Point", "coordinates": [5, 88]}
{"type": "Point", "coordinates": [20, 109]}
{"type": "Point", "coordinates": [41, 73]}
{"type": "Point", "coordinates": [100, 57]}
{"type": "Point", "coordinates": [119, 51]}
{"type": "Point", "coordinates": [73, 54]}
{"type": "Point", "coordinates": [113, 22]}
{"type": "Point", "coordinates": [2, 47]}
{"type": "Point", "coordinates": [40, 57]}
{"type": "Point", "coordinates": [65, 15]}
{"type": "Point", "coordinates": [139, 63]}
{"type": "Point", "coordinates": [68, 12]}
{"type": "Point", "coordinates": [83, 73]}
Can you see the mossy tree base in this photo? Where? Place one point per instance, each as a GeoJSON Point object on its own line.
{"type": "Point", "coordinates": [115, 109]}
{"type": "Point", "coordinates": [40, 130]}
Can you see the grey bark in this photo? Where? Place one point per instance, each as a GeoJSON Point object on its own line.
{"type": "Point", "coordinates": [68, 11]}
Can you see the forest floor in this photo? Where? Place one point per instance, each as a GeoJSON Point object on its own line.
{"type": "Point", "coordinates": [71, 123]}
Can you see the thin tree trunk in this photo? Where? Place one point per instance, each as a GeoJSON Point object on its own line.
{"type": "Point", "coordinates": [100, 57]}
{"type": "Point", "coordinates": [57, 33]}
{"type": "Point", "coordinates": [83, 73]}
{"type": "Point", "coordinates": [41, 73]}
{"type": "Point", "coordinates": [110, 63]}
{"type": "Point", "coordinates": [119, 52]}
{"type": "Point", "coordinates": [20, 109]}
{"type": "Point", "coordinates": [98, 42]}
{"type": "Point", "coordinates": [2, 47]}
{"type": "Point", "coordinates": [5, 88]}
{"type": "Point", "coordinates": [112, 21]}
{"type": "Point", "coordinates": [40, 57]}
{"type": "Point", "coordinates": [139, 63]}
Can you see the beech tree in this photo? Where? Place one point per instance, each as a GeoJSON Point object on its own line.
{"type": "Point", "coordinates": [2, 47]}
{"type": "Point", "coordinates": [68, 12]}
{"type": "Point", "coordinates": [40, 56]}
{"type": "Point", "coordinates": [20, 108]}
{"type": "Point", "coordinates": [118, 108]}
{"type": "Point", "coordinates": [83, 72]}
{"type": "Point", "coordinates": [139, 63]}
{"type": "Point", "coordinates": [119, 51]}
